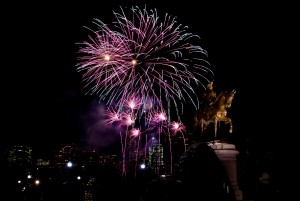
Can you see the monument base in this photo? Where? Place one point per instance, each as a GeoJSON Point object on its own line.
{"type": "Point", "coordinates": [227, 154]}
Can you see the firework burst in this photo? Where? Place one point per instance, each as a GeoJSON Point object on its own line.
{"type": "Point", "coordinates": [144, 56]}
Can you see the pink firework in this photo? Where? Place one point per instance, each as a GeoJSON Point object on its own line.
{"type": "Point", "coordinates": [112, 117]}
{"type": "Point", "coordinates": [144, 55]}
{"type": "Point", "coordinates": [103, 62]}
{"type": "Point", "coordinates": [157, 117]}
{"type": "Point", "coordinates": [178, 127]}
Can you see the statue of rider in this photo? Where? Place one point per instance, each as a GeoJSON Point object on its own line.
{"type": "Point", "coordinates": [209, 97]}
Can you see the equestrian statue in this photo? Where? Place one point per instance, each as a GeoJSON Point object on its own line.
{"type": "Point", "coordinates": [213, 109]}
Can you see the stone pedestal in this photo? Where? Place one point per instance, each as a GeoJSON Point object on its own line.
{"type": "Point", "coordinates": [227, 154]}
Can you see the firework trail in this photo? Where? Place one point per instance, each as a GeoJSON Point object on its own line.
{"type": "Point", "coordinates": [126, 118]}
{"type": "Point", "coordinates": [159, 119]}
{"type": "Point", "coordinates": [136, 133]}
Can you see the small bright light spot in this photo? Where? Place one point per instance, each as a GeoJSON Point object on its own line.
{"type": "Point", "coordinates": [37, 182]}
{"type": "Point", "coordinates": [176, 125]}
{"type": "Point", "coordinates": [29, 176]}
{"type": "Point", "coordinates": [19, 181]}
{"type": "Point", "coordinates": [143, 166]}
{"type": "Point", "coordinates": [133, 62]}
{"type": "Point", "coordinates": [132, 104]}
{"type": "Point", "coordinates": [69, 164]}
{"type": "Point", "coordinates": [135, 132]}
{"type": "Point", "coordinates": [78, 177]}
{"type": "Point", "coordinates": [106, 57]}
{"type": "Point", "coordinates": [162, 116]}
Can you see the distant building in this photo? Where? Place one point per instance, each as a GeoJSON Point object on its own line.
{"type": "Point", "coordinates": [156, 158]}
{"type": "Point", "coordinates": [65, 153]}
{"type": "Point", "coordinates": [20, 155]}
{"type": "Point", "coordinates": [42, 162]}
{"type": "Point", "coordinates": [87, 159]}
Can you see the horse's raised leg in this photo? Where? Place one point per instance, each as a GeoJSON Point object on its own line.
{"type": "Point", "coordinates": [230, 125]}
{"type": "Point", "coordinates": [201, 124]}
{"type": "Point", "coordinates": [216, 126]}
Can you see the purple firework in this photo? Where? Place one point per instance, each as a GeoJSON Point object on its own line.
{"type": "Point", "coordinates": [144, 56]}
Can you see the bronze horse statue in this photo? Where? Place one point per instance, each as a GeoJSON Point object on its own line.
{"type": "Point", "coordinates": [214, 109]}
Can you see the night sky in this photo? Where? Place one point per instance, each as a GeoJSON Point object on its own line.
{"type": "Point", "coordinates": [42, 97]}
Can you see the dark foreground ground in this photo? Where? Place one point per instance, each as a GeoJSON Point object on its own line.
{"type": "Point", "coordinates": [199, 176]}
